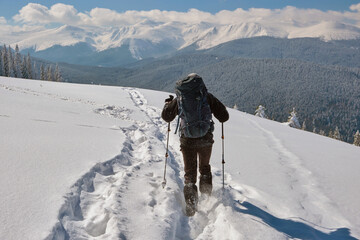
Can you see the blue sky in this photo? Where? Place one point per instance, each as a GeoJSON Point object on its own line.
{"type": "Point", "coordinates": [9, 8]}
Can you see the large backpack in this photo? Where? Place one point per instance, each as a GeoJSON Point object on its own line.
{"type": "Point", "coordinates": [194, 110]}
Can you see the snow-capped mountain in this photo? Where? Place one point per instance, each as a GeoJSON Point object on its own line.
{"type": "Point", "coordinates": [87, 162]}
{"type": "Point", "coordinates": [151, 39]}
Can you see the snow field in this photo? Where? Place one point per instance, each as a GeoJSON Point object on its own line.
{"type": "Point", "coordinates": [91, 161]}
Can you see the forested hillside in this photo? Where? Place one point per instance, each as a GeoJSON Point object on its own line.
{"type": "Point", "coordinates": [325, 96]}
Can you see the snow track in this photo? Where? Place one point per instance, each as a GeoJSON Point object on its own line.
{"type": "Point", "coordinates": [106, 202]}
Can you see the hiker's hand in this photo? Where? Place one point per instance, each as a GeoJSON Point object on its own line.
{"type": "Point", "coordinates": [171, 97]}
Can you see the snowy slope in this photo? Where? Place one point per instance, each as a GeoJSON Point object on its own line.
{"type": "Point", "coordinates": [86, 162]}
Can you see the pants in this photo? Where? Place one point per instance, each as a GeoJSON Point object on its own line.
{"type": "Point", "coordinates": [190, 161]}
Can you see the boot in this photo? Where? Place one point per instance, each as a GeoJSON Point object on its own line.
{"type": "Point", "coordinates": [191, 199]}
{"type": "Point", "coordinates": [206, 184]}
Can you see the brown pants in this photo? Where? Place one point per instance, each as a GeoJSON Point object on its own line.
{"type": "Point", "coordinates": [190, 162]}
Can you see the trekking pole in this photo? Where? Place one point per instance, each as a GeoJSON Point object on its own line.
{"type": "Point", "coordinates": [166, 156]}
{"type": "Point", "coordinates": [223, 160]}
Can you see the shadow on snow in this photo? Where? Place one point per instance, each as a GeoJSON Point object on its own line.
{"type": "Point", "coordinates": [292, 228]}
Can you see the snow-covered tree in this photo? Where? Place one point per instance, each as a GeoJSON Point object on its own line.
{"type": "Point", "coordinates": [5, 60]}
{"type": "Point", "coordinates": [42, 72]}
{"type": "Point", "coordinates": [23, 68]}
{"type": "Point", "coordinates": [322, 132]}
{"type": "Point", "coordinates": [303, 127]}
{"type": "Point", "coordinates": [337, 135]}
{"type": "Point", "coordinates": [57, 76]}
{"type": "Point", "coordinates": [260, 112]}
{"type": "Point", "coordinates": [49, 76]}
{"type": "Point", "coordinates": [357, 138]}
{"type": "Point", "coordinates": [235, 107]}
{"type": "Point", "coordinates": [29, 66]}
{"type": "Point", "coordinates": [331, 134]}
{"type": "Point", "coordinates": [12, 69]}
{"type": "Point", "coordinates": [293, 120]}
{"type": "Point", "coordinates": [17, 61]}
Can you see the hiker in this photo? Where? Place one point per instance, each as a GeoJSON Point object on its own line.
{"type": "Point", "coordinates": [195, 107]}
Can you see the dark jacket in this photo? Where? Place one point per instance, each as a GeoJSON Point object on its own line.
{"type": "Point", "coordinates": [170, 111]}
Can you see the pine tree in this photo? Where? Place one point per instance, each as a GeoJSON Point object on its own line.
{"type": "Point", "coordinates": [357, 138]}
{"type": "Point", "coordinates": [29, 67]}
{"type": "Point", "coordinates": [322, 132]}
{"type": "Point", "coordinates": [12, 70]}
{"type": "Point", "coordinates": [23, 68]}
{"type": "Point", "coordinates": [235, 107]}
{"type": "Point", "coordinates": [42, 72]}
{"type": "Point", "coordinates": [5, 60]}
{"type": "Point", "coordinates": [49, 76]}
{"type": "Point", "coordinates": [17, 61]}
{"type": "Point", "coordinates": [303, 126]}
{"type": "Point", "coordinates": [292, 120]}
{"type": "Point", "coordinates": [35, 71]}
{"type": "Point", "coordinates": [331, 134]}
{"type": "Point", "coordinates": [336, 134]}
{"type": "Point", "coordinates": [260, 112]}
{"type": "Point", "coordinates": [58, 77]}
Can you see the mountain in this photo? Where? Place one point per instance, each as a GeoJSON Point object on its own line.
{"type": "Point", "coordinates": [84, 161]}
{"type": "Point", "coordinates": [114, 46]}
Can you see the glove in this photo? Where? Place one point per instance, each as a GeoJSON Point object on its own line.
{"type": "Point", "coordinates": [171, 97]}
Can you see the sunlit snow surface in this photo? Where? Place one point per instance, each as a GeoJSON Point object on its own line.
{"type": "Point", "coordinates": [87, 162]}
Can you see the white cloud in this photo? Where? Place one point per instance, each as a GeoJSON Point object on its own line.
{"type": "Point", "coordinates": [183, 27]}
{"type": "Point", "coordinates": [66, 14]}
{"type": "Point", "coordinates": [3, 20]}
{"type": "Point", "coordinates": [355, 7]}
{"type": "Point", "coordinates": [38, 14]}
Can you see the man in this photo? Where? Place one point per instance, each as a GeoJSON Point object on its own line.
{"type": "Point", "coordinates": [195, 107]}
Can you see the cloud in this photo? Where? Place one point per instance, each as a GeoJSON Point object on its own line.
{"type": "Point", "coordinates": [34, 13]}
{"type": "Point", "coordinates": [355, 7]}
{"type": "Point", "coordinates": [38, 14]}
{"type": "Point", "coordinates": [3, 20]}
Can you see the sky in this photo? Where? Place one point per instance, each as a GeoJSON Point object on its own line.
{"type": "Point", "coordinates": [10, 8]}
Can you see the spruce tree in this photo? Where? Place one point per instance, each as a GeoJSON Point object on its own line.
{"type": "Point", "coordinates": [303, 126]}
{"type": "Point", "coordinates": [29, 67]}
{"type": "Point", "coordinates": [260, 112]}
{"type": "Point", "coordinates": [42, 72]}
{"type": "Point", "coordinates": [17, 61]}
{"type": "Point", "coordinates": [12, 70]}
{"type": "Point", "coordinates": [293, 120]}
{"type": "Point", "coordinates": [57, 74]}
{"type": "Point", "coordinates": [336, 134]}
{"type": "Point", "coordinates": [357, 138]}
{"type": "Point", "coordinates": [5, 59]}
{"type": "Point", "coordinates": [49, 76]}
{"type": "Point", "coordinates": [23, 68]}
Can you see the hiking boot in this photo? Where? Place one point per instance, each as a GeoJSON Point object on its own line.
{"type": "Point", "coordinates": [206, 184]}
{"type": "Point", "coordinates": [191, 199]}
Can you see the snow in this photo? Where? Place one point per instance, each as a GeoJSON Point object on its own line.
{"type": "Point", "coordinates": [148, 36]}
{"type": "Point", "coordinates": [87, 162]}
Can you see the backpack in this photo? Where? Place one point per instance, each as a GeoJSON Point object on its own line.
{"type": "Point", "coordinates": [193, 108]}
